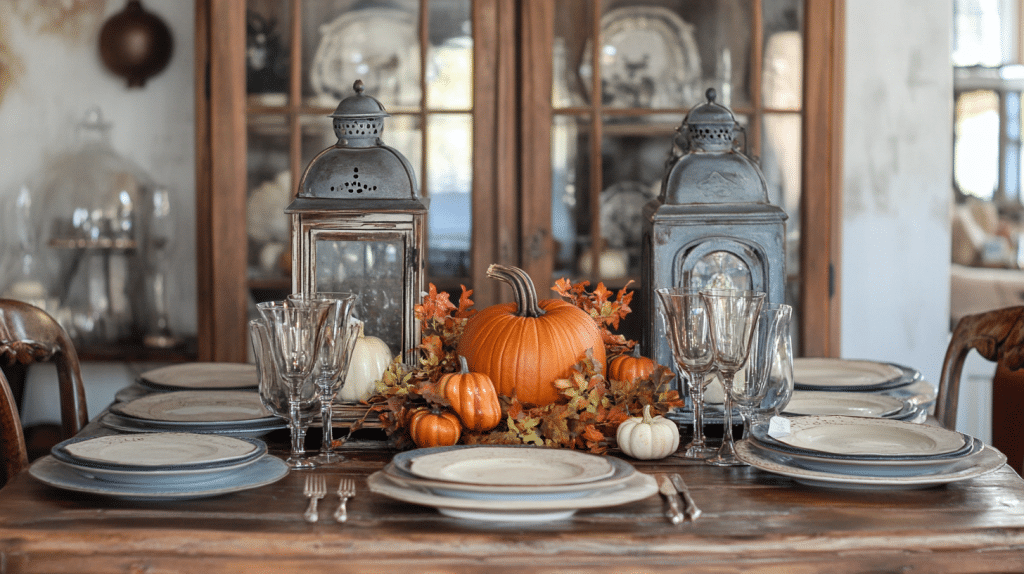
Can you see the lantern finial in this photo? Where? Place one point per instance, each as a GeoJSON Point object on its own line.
{"type": "Point", "coordinates": [358, 87]}
{"type": "Point", "coordinates": [711, 94]}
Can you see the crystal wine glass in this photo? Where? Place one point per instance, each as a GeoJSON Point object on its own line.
{"type": "Point", "coordinates": [733, 315]}
{"type": "Point", "coordinates": [690, 338]}
{"type": "Point", "coordinates": [275, 391]}
{"type": "Point", "coordinates": [780, 382]}
{"type": "Point", "coordinates": [763, 385]}
{"type": "Point", "coordinates": [336, 343]}
{"type": "Point", "coordinates": [295, 336]}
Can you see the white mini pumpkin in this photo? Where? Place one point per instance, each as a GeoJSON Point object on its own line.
{"type": "Point", "coordinates": [370, 358]}
{"type": "Point", "coordinates": [647, 437]}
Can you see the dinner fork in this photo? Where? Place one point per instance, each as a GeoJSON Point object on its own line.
{"type": "Point", "coordinates": [316, 488]}
{"type": "Point", "coordinates": [346, 490]}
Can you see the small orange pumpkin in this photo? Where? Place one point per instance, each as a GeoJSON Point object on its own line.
{"type": "Point", "coordinates": [628, 368]}
{"type": "Point", "coordinates": [526, 345]}
{"type": "Point", "coordinates": [473, 397]}
{"type": "Point", "coordinates": [434, 427]}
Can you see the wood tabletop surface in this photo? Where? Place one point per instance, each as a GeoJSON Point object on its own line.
{"type": "Point", "coordinates": [752, 522]}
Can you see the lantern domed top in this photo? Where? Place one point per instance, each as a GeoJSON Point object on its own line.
{"type": "Point", "coordinates": [360, 166]}
{"type": "Point", "coordinates": [710, 126]}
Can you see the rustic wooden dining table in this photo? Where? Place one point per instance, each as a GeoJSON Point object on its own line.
{"type": "Point", "coordinates": [752, 521]}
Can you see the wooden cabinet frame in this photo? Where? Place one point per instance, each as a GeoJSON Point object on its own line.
{"type": "Point", "coordinates": [511, 164]}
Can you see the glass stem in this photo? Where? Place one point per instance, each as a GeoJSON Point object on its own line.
{"type": "Point", "coordinates": [327, 445]}
{"type": "Point", "coordinates": [298, 431]}
{"type": "Point", "coordinates": [727, 441]}
{"type": "Point", "coordinates": [697, 398]}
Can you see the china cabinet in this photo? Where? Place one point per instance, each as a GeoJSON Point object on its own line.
{"type": "Point", "coordinates": [537, 129]}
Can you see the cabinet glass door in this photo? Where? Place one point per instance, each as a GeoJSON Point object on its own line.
{"type": "Point", "coordinates": [617, 101]}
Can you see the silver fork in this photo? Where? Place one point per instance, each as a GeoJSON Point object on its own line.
{"type": "Point", "coordinates": [346, 490]}
{"type": "Point", "coordinates": [316, 488]}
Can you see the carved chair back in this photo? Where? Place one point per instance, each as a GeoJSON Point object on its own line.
{"type": "Point", "coordinates": [30, 335]}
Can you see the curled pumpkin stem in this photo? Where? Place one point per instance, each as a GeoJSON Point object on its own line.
{"type": "Point", "coordinates": [527, 304]}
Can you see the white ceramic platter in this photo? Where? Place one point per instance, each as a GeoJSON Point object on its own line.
{"type": "Point", "coordinates": [843, 403]}
{"type": "Point", "coordinates": [159, 450]}
{"type": "Point", "coordinates": [512, 466]}
{"type": "Point", "coordinates": [196, 407]}
{"type": "Point", "coordinates": [638, 487]}
{"type": "Point", "coordinates": [830, 372]}
{"type": "Point", "coordinates": [266, 470]}
{"type": "Point", "coordinates": [200, 376]}
{"type": "Point", "coordinates": [860, 436]}
{"type": "Point", "coordinates": [985, 461]}
{"type": "Point", "coordinates": [875, 467]}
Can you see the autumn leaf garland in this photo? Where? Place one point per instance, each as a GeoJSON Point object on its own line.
{"type": "Point", "coordinates": [592, 407]}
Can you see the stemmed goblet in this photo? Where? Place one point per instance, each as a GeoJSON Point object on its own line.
{"type": "Point", "coordinates": [276, 392]}
{"type": "Point", "coordinates": [295, 335]}
{"type": "Point", "coordinates": [686, 321]}
{"type": "Point", "coordinates": [766, 383]}
{"type": "Point", "coordinates": [733, 315]}
{"type": "Point", "coordinates": [336, 343]}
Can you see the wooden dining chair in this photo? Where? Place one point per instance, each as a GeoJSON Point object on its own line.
{"type": "Point", "coordinates": [997, 335]}
{"type": "Point", "coordinates": [30, 335]}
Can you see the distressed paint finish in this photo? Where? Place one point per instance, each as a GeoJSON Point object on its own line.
{"type": "Point", "coordinates": [752, 522]}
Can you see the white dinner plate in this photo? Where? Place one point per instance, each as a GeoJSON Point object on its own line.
{"type": "Point", "coordinates": [843, 403]}
{"type": "Point", "coordinates": [511, 466]}
{"type": "Point", "coordinates": [638, 487]}
{"type": "Point", "coordinates": [861, 467]}
{"type": "Point", "coordinates": [266, 470]}
{"type": "Point", "coordinates": [862, 436]}
{"type": "Point", "coordinates": [986, 460]}
{"type": "Point", "coordinates": [201, 376]}
{"type": "Point", "coordinates": [821, 373]}
{"type": "Point", "coordinates": [191, 476]}
{"type": "Point", "coordinates": [196, 407]}
{"type": "Point", "coordinates": [159, 450]}
{"type": "Point", "coordinates": [623, 471]}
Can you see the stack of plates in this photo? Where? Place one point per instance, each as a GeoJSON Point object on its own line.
{"type": "Point", "coordinates": [155, 466]}
{"type": "Point", "coordinates": [232, 413]}
{"type": "Point", "coordinates": [862, 376]}
{"type": "Point", "coordinates": [860, 452]}
{"type": "Point", "coordinates": [854, 404]}
{"type": "Point", "coordinates": [509, 483]}
{"type": "Point", "coordinates": [201, 376]}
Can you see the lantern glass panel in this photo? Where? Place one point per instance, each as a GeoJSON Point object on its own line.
{"type": "Point", "coordinates": [375, 271]}
{"type": "Point", "coordinates": [267, 37]}
{"type": "Point", "coordinates": [450, 53]}
{"type": "Point", "coordinates": [719, 270]}
{"type": "Point", "coordinates": [377, 42]}
{"type": "Point", "coordinates": [449, 182]}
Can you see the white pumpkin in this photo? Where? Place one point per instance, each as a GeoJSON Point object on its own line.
{"type": "Point", "coordinates": [370, 358]}
{"type": "Point", "coordinates": [647, 437]}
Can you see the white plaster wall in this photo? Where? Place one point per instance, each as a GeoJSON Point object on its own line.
{"type": "Point", "coordinates": [896, 182]}
{"type": "Point", "coordinates": [52, 49]}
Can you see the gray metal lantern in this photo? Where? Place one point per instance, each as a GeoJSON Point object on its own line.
{"type": "Point", "coordinates": [359, 225]}
{"type": "Point", "coordinates": [712, 224]}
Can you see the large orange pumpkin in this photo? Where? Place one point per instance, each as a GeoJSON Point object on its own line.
{"type": "Point", "coordinates": [628, 368]}
{"type": "Point", "coordinates": [526, 345]}
{"type": "Point", "coordinates": [473, 397]}
{"type": "Point", "coordinates": [434, 427]}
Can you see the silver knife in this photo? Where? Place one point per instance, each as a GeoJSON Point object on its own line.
{"type": "Point", "coordinates": [690, 509]}
{"type": "Point", "coordinates": [668, 490]}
